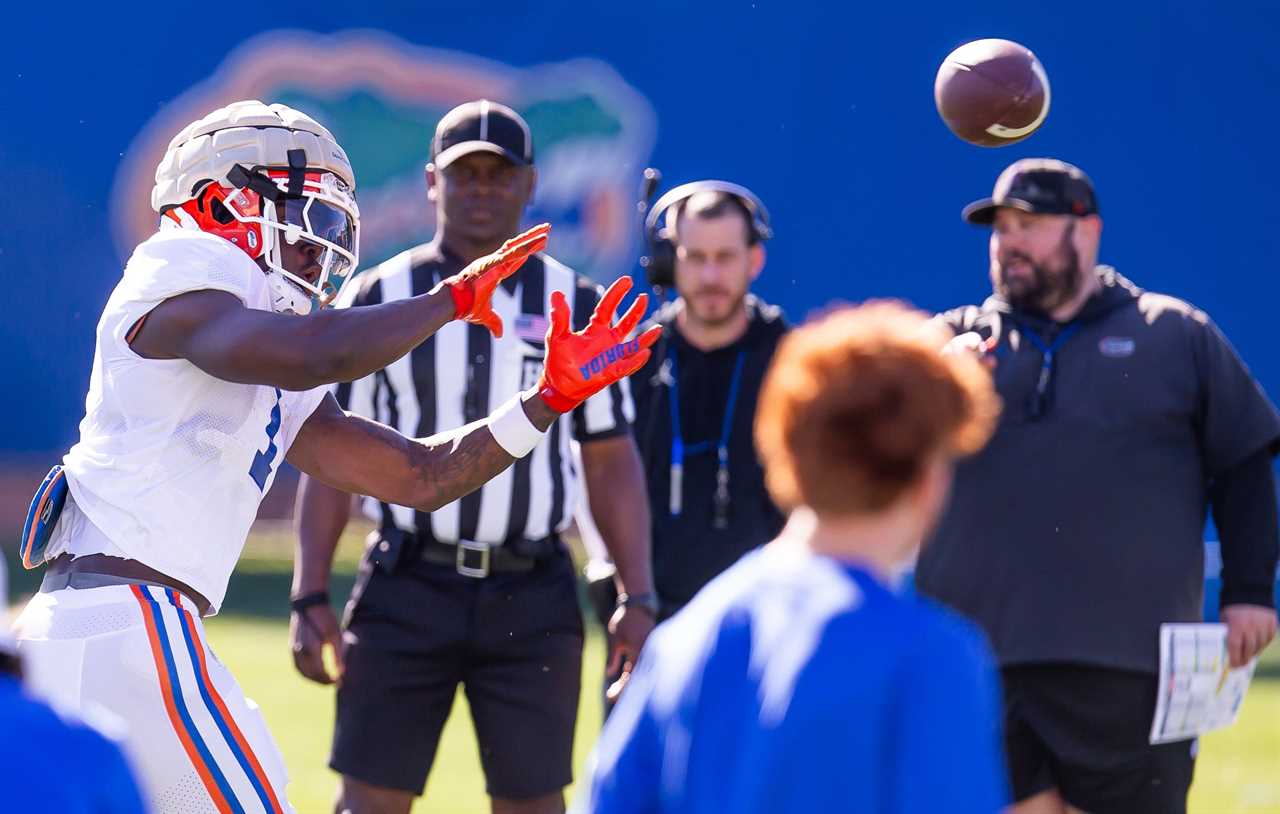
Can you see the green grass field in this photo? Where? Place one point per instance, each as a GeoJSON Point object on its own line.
{"type": "Point", "coordinates": [1238, 770]}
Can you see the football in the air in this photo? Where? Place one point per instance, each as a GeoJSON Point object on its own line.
{"type": "Point", "coordinates": [992, 92]}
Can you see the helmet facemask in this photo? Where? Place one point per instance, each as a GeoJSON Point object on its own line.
{"type": "Point", "coordinates": [302, 204]}
{"type": "Point", "coordinates": [326, 217]}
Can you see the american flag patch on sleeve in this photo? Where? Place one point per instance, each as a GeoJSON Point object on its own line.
{"type": "Point", "coordinates": [531, 327]}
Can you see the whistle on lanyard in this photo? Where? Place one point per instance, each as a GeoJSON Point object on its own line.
{"type": "Point", "coordinates": [720, 506]}
{"type": "Point", "coordinates": [720, 499]}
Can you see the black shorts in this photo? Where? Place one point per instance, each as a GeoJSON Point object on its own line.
{"type": "Point", "coordinates": [514, 640]}
{"type": "Point", "coordinates": [1084, 731]}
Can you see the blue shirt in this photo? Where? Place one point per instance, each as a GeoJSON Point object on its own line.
{"type": "Point", "coordinates": [799, 683]}
{"type": "Point", "coordinates": [48, 764]}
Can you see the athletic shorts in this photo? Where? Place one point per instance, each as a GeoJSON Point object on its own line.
{"type": "Point", "coordinates": [1084, 731]}
{"type": "Point", "coordinates": [512, 640]}
{"type": "Point", "coordinates": [138, 653]}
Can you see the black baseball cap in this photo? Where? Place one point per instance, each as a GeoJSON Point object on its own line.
{"type": "Point", "coordinates": [1045, 186]}
{"type": "Point", "coordinates": [482, 126]}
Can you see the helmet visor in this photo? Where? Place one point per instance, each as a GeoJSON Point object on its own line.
{"type": "Point", "coordinates": [323, 220]}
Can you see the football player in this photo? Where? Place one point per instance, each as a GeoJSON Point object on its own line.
{"type": "Point", "coordinates": [213, 356]}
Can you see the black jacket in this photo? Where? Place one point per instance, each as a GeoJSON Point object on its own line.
{"type": "Point", "coordinates": [1079, 528]}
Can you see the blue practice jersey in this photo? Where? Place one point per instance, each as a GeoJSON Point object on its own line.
{"type": "Point", "coordinates": [48, 764]}
{"type": "Point", "coordinates": [798, 683]}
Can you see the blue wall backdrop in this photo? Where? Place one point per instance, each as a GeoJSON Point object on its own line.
{"type": "Point", "coordinates": [824, 109]}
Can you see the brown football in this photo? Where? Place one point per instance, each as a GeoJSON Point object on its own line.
{"type": "Point", "coordinates": [992, 92]}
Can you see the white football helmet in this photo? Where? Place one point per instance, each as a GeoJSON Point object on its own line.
{"type": "Point", "coordinates": [253, 174]}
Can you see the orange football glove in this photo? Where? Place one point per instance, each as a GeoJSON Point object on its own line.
{"type": "Point", "coordinates": [472, 288]}
{"type": "Point", "coordinates": [579, 365]}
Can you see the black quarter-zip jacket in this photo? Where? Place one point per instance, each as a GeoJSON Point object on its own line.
{"type": "Point", "coordinates": [1078, 529]}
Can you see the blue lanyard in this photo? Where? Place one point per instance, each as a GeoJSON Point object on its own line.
{"type": "Point", "coordinates": [1038, 404]}
{"type": "Point", "coordinates": [679, 449]}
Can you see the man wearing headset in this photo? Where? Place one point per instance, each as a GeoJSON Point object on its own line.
{"type": "Point", "coordinates": [696, 396]}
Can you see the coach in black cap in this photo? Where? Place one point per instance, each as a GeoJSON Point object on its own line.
{"type": "Point", "coordinates": [1078, 530]}
{"type": "Point", "coordinates": [481, 592]}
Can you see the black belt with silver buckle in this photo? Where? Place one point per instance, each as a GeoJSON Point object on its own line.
{"type": "Point", "coordinates": [479, 560]}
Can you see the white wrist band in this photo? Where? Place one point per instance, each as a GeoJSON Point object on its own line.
{"type": "Point", "coordinates": [513, 430]}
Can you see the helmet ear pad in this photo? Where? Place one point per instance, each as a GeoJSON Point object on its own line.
{"type": "Point", "coordinates": [219, 212]}
{"type": "Point", "coordinates": [211, 211]}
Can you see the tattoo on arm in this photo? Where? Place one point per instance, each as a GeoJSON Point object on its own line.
{"type": "Point", "coordinates": [360, 456]}
{"type": "Point", "coordinates": [453, 464]}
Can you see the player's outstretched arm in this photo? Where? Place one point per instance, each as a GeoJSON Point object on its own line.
{"type": "Point", "coordinates": [353, 454]}
{"type": "Point", "coordinates": [364, 457]}
{"type": "Point", "coordinates": [217, 333]}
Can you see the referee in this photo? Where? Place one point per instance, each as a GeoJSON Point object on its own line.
{"type": "Point", "coordinates": [480, 592]}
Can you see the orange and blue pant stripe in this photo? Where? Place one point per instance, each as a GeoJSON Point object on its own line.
{"type": "Point", "coordinates": [167, 665]}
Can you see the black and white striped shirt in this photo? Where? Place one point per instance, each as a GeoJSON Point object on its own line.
{"type": "Point", "coordinates": [461, 373]}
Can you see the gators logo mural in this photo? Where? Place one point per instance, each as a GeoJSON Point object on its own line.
{"type": "Point", "coordinates": [382, 97]}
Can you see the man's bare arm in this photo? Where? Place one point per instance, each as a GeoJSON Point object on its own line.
{"type": "Point", "coordinates": [218, 334]}
{"type": "Point", "coordinates": [619, 503]}
{"type": "Point", "coordinates": [354, 454]}
{"type": "Point", "coordinates": [320, 516]}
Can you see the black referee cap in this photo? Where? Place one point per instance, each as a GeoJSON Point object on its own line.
{"type": "Point", "coordinates": [482, 126]}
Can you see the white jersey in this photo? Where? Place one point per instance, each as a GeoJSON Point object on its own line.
{"type": "Point", "coordinates": [172, 463]}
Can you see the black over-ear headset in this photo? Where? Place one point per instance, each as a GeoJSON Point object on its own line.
{"type": "Point", "coordinates": [660, 262]}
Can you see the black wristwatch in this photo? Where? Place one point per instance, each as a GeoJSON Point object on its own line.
{"type": "Point", "coordinates": [647, 601]}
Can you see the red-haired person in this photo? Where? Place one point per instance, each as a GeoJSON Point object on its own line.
{"type": "Point", "coordinates": [799, 680]}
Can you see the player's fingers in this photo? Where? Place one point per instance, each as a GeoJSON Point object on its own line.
{"type": "Point", "coordinates": [532, 246]}
{"type": "Point", "coordinates": [633, 316]}
{"type": "Point", "coordinates": [559, 316]}
{"type": "Point", "coordinates": [633, 363]}
{"type": "Point", "coordinates": [508, 266]}
{"type": "Point", "coordinates": [490, 320]}
{"type": "Point", "coordinates": [528, 236]}
{"type": "Point", "coordinates": [650, 336]}
{"type": "Point", "coordinates": [519, 248]}
{"type": "Point", "coordinates": [522, 246]}
{"type": "Point", "coordinates": [609, 302]}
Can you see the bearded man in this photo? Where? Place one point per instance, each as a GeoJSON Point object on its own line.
{"type": "Point", "coordinates": [1078, 530]}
